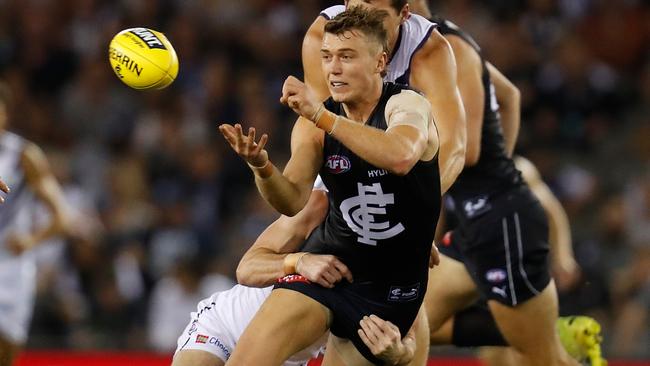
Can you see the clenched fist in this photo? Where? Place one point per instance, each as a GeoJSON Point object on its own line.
{"type": "Point", "coordinates": [300, 98]}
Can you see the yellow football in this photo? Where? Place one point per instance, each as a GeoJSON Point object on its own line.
{"type": "Point", "coordinates": [143, 58]}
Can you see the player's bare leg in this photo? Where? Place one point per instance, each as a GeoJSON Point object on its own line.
{"type": "Point", "coordinates": [287, 322]}
{"type": "Point", "coordinates": [502, 356]}
{"type": "Point", "coordinates": [342, 352]}
{"type": "Point", "coordinates": [450, 290]}
{"type": "Point", "coordinates": [530, 329]}
{"type": "Point", "coordinates": [421, 339]}
{"type": "Point", "coordinates": [193, 357]}
{"type": "Point", "coordinates": [444, 334]}
{"type": "Point", "coordinates": [8, 352]}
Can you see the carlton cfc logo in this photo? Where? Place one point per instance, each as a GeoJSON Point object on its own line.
{"type": "Point", "coordinates": [337, 164]}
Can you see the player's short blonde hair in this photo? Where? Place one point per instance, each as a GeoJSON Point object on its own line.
{"type": "Point", "coordinates": [368, 21]}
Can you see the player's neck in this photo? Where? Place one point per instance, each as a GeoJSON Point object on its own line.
{"type": "Point", "coordinates": [393, 42]}
{"type": "Point", "coordinates": [360, 110]}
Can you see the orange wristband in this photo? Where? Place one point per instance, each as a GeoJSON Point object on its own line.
{"type": "Point", "coordinates": [264, 171]}
{"type": "Point", "coordinates": [326, 121]}
{"type": "Point", "coordinates": [291, 261]}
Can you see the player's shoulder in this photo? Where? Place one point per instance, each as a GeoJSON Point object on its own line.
{"type": "Point", "coordinates": [527, 168]}
{"type": "Point", "coordinates": [404, 95]}
{"type": "Point", "coordinates": [419, 24]}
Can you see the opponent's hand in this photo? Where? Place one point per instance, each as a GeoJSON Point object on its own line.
{"type": "Point", "coordinates": [300, 98]}
{"type": "Point", "coordinates": [383, 339]}
{"type": "Point", "coordinates": [244, 145]}
{"type": "Point", "coordinates": [17, 244]}
{"type": "Point", "coordinates": [434, 257]}
{"type": "Point", "coordinates": [323, 269]}
{"type": "Point", "coordinates": [4, 188]}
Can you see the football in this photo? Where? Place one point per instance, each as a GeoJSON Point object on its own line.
{"type": "Point", "coordinates": [143, 58]}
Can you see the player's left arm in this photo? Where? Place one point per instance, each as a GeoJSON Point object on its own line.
{"type": "Point", "coordinates": [433, 71]}
{"type": "Point", "coordinates": [566, 270]}
{"type": "Point", "coordinates": [41, 180]}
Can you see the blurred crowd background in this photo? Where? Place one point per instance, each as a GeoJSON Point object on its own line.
{"type": "Point", "coordinates": [167, 209]}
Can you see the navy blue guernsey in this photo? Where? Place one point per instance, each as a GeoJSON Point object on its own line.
{"type": "Point", "coordinates": [494, 172]}
{"type": "Point", "coordinates": [379, 224]}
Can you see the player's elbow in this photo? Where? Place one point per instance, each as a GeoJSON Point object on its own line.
{"type": "Point", "coordinates": [288, 207]}
{"type": "Point", "coordinates": [402, 163]}
{"type": "Point", "coordinates": [511, 98]}
{"type": "Point", "coordinates": [245, 275]}
{"type": "Point", "coordinates": [401, 169]}
{"type": "Point", "coordinates": [291, 210]}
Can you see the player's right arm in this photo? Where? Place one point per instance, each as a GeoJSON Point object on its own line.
{"type": "Point", "coordinates": [509, 99]}
{"type": "Point", "coordinates": [273, 255]}
{"type": "Point", "coordinates": [565, 269]}
{"type": "Point", "coordinates": [311, 58]}
{"type": "Point", "coordinates": [433, 71]}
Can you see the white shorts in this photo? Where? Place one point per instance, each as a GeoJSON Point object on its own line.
{"type": "Point", "coordinates": [221, 319]}
{"type": "Point", "coordinates": [17, 292]}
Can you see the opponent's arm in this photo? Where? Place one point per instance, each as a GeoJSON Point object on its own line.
{"type": "Point", "coordinates": [311, 59]}
{"type": "Point", "coordinates": [288, 191]}
{"type": "Point", "coordinates": [41, 180]}
{"type": "Point", "coordinates": [384, 340]}
{"type": "Point", "coordinates": [470, 85]}
{"type": "Point", "coordinates": [266, 260]}
{"type": "Point", "coordinates": [433, 71]}
{"type": "Point", "coordinates": [565, 269]}
{"type": "Point", "coordinates": [509, 100]}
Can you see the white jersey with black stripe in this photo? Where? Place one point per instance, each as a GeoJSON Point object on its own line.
{"type": "Point", "coordinates": [412, 36]}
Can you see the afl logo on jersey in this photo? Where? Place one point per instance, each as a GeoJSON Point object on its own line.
{"type": "Point", "coordinates": [337, 164]}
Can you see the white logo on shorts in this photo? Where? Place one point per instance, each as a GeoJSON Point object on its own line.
{"type": "Point", "coordinates": [359, 213]}
{"type": "Point", "coordinates": [500, 291]}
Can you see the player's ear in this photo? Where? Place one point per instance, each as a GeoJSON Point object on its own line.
{"type": "Point", "coordinates": [382, 63]}
{"type": "Point", "coordinates": [405, 13]}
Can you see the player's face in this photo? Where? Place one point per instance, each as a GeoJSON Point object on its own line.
{"type": "Point", "coordinates": [352, 64]}
{"type": "Point", "coordinates": [392, 21]}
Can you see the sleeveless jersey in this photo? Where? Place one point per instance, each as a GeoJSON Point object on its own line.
{"type": "Point", "coordinates": [379, 224]}
{"type": "Point", "coordinates": [494, 172]}
{"type": "Point", "coordinates": [16, 213]}
{"type": "Point", "coordinates": [412, 36]}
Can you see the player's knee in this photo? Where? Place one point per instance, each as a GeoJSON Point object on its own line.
{"type": "Point", "coordinates": [196, 358]}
